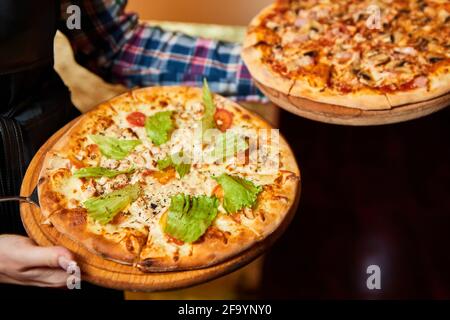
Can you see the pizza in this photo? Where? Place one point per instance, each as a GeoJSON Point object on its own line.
{"type": "Point", "coordinates": [168, 178]}
{"type": "Point", "coordinates": [359, 54]}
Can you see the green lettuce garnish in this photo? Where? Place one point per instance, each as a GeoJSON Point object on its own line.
{"type": "Point", "coordinates": [104, 208]}
{"type": "Point", "coordinates": [237, 192]}
{"type": "Point", "coordinates": [159, 126]}
{"type": "Point", "coordinates": [98, 172]}
{"type": "Point", "coordinates": [181, 167]}
{"type": "Point", "coordinates": [208, 114]}
{"type": "Point", "coordinates": [189, 217]}
{"type": "Point", "coordinates": [114, 148]}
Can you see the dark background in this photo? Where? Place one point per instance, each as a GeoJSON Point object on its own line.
{"type": "Point", "coordinates": [370, 195]}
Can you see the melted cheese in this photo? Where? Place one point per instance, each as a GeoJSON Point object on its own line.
{"type": "Point", "coordinates": [73, 188]}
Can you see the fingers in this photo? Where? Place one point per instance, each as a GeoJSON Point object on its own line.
{"type": "Point", "coordinates": [40, 277]}
{"type": "Point", "coordinates": [47, 277]}
{"type": "Point", "coordinates": [23, 262]}
{"type": "Point", "coordinates": [29, 255]}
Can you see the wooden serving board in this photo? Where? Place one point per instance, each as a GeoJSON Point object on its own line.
{"type": "Point", "coordinates": [335, 114]}
{"type": "Point", "coordinates": [106, 273]}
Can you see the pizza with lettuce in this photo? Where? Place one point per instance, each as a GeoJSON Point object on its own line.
{"type": "Point", "coordinates": [168, 178]}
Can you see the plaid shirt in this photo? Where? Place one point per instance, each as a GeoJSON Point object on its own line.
{"type": "Point", "coordinates": [117, 47]}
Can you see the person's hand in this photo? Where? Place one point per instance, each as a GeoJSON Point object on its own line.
{"type": "Point", "coordinates": [23, 262]}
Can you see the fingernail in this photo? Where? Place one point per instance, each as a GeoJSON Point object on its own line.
{"type": "Point", "coordinates": [64, 262]}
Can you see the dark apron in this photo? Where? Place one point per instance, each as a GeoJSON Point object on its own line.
{"type": "Point", "coordinates": [34, 103]}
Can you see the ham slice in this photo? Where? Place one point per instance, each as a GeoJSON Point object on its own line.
{"type": "Point", "coordinates": [300, 22]}
{"type": "Point", "coordinates": [420, 82]}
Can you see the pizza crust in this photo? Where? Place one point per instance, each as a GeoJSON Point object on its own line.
{"type": "Point", "coordinates": [365, 100]}
{"type": "Point", "coordinates": [252, 38]}
{"type": "Point", "coordinates": [215, 248]}
{"type": "Point", "coordinates": [439, 85]}
{"type": "Point", "coordinates": [73, 224]}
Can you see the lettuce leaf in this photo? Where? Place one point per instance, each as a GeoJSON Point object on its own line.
{"type": "Point", "coordinates": [98, 172]}
{"type": "Point", "coordinates": [104, 208]}
{"type": "Point", "coordinates": [237, 192]}
{"type": "Point", "coordinates": [159, 126]}
{"type": "Point", "coordinates": [114, 148]}
{"type": "Point", "coordinates": [208, 102]}
{"type": "Point", "coordinates": [189, 217]}
{"type": "Point", "coordinates": [181, 167]}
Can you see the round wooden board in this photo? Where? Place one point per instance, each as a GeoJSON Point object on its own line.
{"type": "Point", "coordinates": [334, 114]}
{"type": "Point", "coordinates": [110, 274]}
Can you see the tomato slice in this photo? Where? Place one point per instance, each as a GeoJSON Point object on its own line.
{"type": "Point", "coordinates": [223, 119]}
{"type": "Point", "coordinates": [136, 119]}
